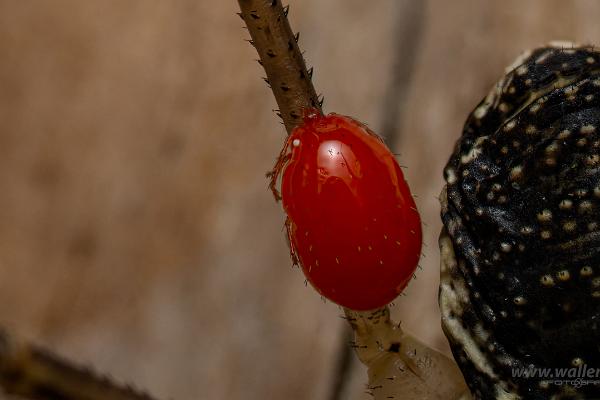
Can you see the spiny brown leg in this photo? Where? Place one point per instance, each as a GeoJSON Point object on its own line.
{"type": "Point", "coordinates": [283, 158]}
{"type": "Point", "coordinates": [370, 131]}
{"type": "Point", "coordinates": [32, 372]}
{"type": "Point", "coordinates": [293, 254]}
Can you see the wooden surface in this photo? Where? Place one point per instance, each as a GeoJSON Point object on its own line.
{"type": "Point", "coordinates": [136, 230]}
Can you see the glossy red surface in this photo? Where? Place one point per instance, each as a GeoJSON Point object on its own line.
{"type": "Point", "coordinates": [352, 222]}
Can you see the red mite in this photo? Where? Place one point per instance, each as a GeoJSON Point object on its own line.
{"type": "Point", "coordinates": [351, 221]}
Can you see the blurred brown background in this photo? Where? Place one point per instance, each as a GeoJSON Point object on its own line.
{"type": "Point", "coordinates": [136, 230]}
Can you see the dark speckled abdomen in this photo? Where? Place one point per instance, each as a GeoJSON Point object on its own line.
{"type": "Point", "coordinates": [520, 283]}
